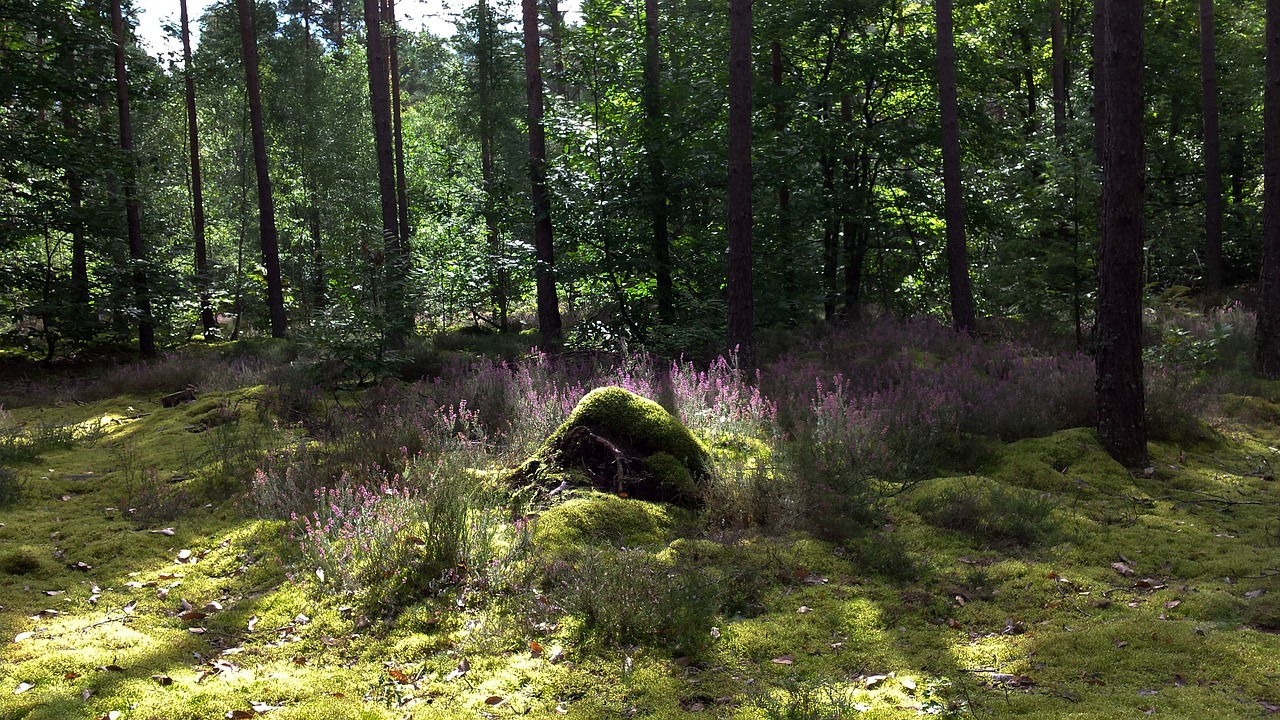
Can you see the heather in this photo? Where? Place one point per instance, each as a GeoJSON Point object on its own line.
{"type": "Point", "coordinates": [896, 520]}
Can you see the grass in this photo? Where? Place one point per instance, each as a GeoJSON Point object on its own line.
{"type": "Point", "coordinates": [1037, 579]}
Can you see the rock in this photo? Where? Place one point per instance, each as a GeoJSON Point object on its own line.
{"type": "Point", "coordinates": [624, 444]}
{"type": "Point", "coordinates": [177, 398]}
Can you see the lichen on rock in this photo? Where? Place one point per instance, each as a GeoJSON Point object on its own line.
{"type": "Point", "coordinates": [621, 443]}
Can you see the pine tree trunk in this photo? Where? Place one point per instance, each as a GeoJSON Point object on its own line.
{"type": "Point", "coordinates": [740, 298]}
{"type": "Point", "coordinates": [402, 187]}
{"type": "Point", "coordinates": [393, 260]}
{"type": "Point", "coordinates": [657, 172]}
{"type": "Point", "coordinates": [953, 189]}
{"type": "Point", "coordinates": [207, 320]}
{"type": "Point", "coordinates": [1121, 411]}
{"type": "Point", "coordinates": [1213, 268]}
{"type": "Point", "coordinates": [1267, 351]}
{"type": "Point", "coordinates": [548, 302]}
{"type": "Point", "coordinates": [1099, 79]}
{"type": "Point", "coordinates": [484, 69]}
{"type": "Point", "coordinates": [137, 252]}
{"type": "Point", "coordinates": [266, 203]}
{"type": "Point", "coordinates": [1059, 72]}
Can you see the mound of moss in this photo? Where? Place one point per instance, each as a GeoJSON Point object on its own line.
{"type": "Point", "coordinates": [605, 520]}
{"type": "Point", "coordinates": [624, 444]}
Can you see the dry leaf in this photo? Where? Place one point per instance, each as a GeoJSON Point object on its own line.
{"type": "Point", "coordinates": [23, 636]}
{"type": "Point", "coordinates": [874, 680]}
{"type": "Point", "coordinates": [262, 708]}
{"type": "Point", "coordinates": [23, 687]}
{"type": "Point", "coordinates": [164, 680]}
{"type": "Point", "coordinates": [253, 622]}
{"type": "Point", "coordinates": [320, 574]}
{"type": "Point", "coordinates": [784, 660]}
{"type": "Point", "coordinates": [71, 676]}
{"type": "Point", "coordinates": [459, 671]}
{"type": "Point", "coordinates": [212, 606]}
{"type": "Point", "coordinates": [557, 654]}
{"type": "Point", "coordinates": [1172, 604]}
{"type": "Point", "coordinates": [240, 714]}
{"type": "Point", "coordinates": [112, 668]}
{"type": "Point", "coordinates": [86, 694]}
{"type": "Point", "coordinates": [1254, 594]}
{"type": "Point", "coordinates": [493, 701]}
{"type": "Point", "coordinates": [399, 676]}
{"type": "Point", "coordinates": [54, 593]}
{"type": "Point", "coordinates": [111, 715]}
{"type": "Point", "coordinates": [129, 607]}
{"type": "Point", "coordinates": [804, 609]}
{"type": "Point", "coordinates": [535, 648]}
{"type": "Point", "coordinates": [192, 615]}
{"type": "Point", "coordinates": [163, 531]}
{"type": "Point", "coordinates": [1122, 568]}
{"type": "Point", "coordinates": [184, 555]}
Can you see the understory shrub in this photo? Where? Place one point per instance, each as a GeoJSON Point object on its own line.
{"type": "Point", "coordinates": [623, 596]}
{"type": "Point", "coordinates": [988, 511]}
{"type": "Point", "coordinates": [11, 487]}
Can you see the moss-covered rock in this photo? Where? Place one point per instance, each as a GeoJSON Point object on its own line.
{"type": "Point", "coordinates": [619, 442]}
{"type": "Point", "coordinates": [596, 518]}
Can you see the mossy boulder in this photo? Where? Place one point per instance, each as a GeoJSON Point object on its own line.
{"type": "Point", "coordinates": [624, 444]}
{"type": "Point", "coordinates": [596, 518]}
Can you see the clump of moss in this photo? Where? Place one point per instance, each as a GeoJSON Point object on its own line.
{"type": "Point", "coordinates": [987, 510]}
{"type": "Point", "coordinates": [1069, 461]}
{"type": "Point", "coordinates": [620, 442]}
{"type": "Point", "coordinates": [600, 519]}
{"type": "Point", "coordinates": [19, 563]}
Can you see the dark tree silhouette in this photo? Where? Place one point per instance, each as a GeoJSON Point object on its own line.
{"type": "Point", "coordinates": [548, 303]}
{"type": "Point", "coordinates": [657, 171]}
{"type": "Point", "coordinates": [1267, 350]}
{"type": "Point", "coordinates": [207, 320]}
{"type": "Point", "coordinates": [740, 298]}
{"type": "Point", "coordinates": [1121, 406]}
{"type": "Point", "coordinates": [953, 189]}
{"type": "Point", "coordinates": [1213, 269]}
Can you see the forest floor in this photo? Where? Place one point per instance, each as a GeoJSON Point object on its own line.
{"type": "Point", "coordinates": [1038, 579]}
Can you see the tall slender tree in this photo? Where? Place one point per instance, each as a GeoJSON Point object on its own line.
{"type": "Point", "coordinates": [657, 166]}
{"type": "Point", "coordinates": [741, 299]}
{"type": "Point", "coordinates": [499, 276]}
{"type": "Point", "coordinates": [953, 189]}
{"type": "Point", "coordinates": [207, 320]}
{"type": "Point", "coordinates": [266, 203]}
{"type": "Point", "coordinates": [393, 62]}
{"type": "Point", "coordinates": [393, 254]}
{"type": "Point", "coordinates": [1121, 406]}
{"type": "Point", "coordinates": [548, 302]}
{"type": "Point", "coordinates": [137, 251]}
{"type": "Point", "coordinates": [1213, 269]}
{"type": "Point", "coordinates": [1267, 349]}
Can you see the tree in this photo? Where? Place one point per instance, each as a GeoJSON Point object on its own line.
{"type": "Point", "coordinates": [137, 252]}
{"type": "Point", "coordinates": [1212, 154]}
{"type": "Point", "coordinates": [266, 204]}
{"type": "Point", "coordinates": [1121, 406]}
{"type": "Point", "coordinates": [394, 253]}
{"type": "Point", "coordinates": [548, 303]}
{"type": "Point", "coordinates": [1267, 350]}
{"type": "Point", "coordinates": [393, 61]}
{"type": "Point", "coordinates": [207, 320]}
{"type": "Point", "coordinates": [740, 296]}
{"type": "Point", "coordinates": [665, 294]}
{"type": "Point", "coordinates": [953, 189]}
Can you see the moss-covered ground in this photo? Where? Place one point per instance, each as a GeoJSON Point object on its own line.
{"type": "Point", "coordinates": [122, 595]}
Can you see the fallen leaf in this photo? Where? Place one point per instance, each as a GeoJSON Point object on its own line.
{"type": "Point", "coordinates": [110, 715]}
{"type": "Point", "coordinates": [1254, 594]}
{"type": "Point", "coordinates": [162, 593]}
{"type": "Point", "coordinates": [1122, 568]}
{"type": "Point", "coordinates": [1269, 707]}
{"type": "Point", "coordinates": [164, 680]}
{"type": "Point", "coordinates": [557, 654]}
{"type": "Point", "coordinates": [535, 648]}
{"type": "Point", "coordinates": [162, 531]}
{"type": "Point", "coordinates": [184, 555]}
{"type": "Point", "coordinates": [954, 624]}
{"type": "Point", "coordinates": [493, 701]}
{"type": "Point", "coordinates": [263, 708]}
{"type": "Point", "coordinates": [1148, 693]}
{"type": "Point", "coordinates": [23, 636]}
{"type": "Point", "coordinates": [715, 633]}
{"type": "Point", "coordinates": [71, 676]}
{"type": "Point", "coordinates": [129, 607]}
{"type": "Point", "coordinates": [1172, 604]}
{"type": "Point", "coordinates": [212, 606]}
{"type": "Point", "coordinates": [1122, 644]}
{"type": "Point", "coordinates": [804, 609]}
{"type": "Point", "coordinates": [908, 683]}
{"type": "Point", "coordinates": [874, 680]}
{"type": "Point", "coordinates": [399, 676]}
{"type": "Point", "coordinates": [23, 687]}
{"type": "Point", "coordinates": [459, 671]}
{"type": "Point", "coordinates": [683, 661]}
{"type": "Point", "coordinates": [192, 615]}
{"type": "Point", "coordinates": [86, 694]}
{"type": "Point", "coordinates": [253, 622]}
{"type": "Point", "coordinates": [240, 714]}
{"type": "Point", "coordinates": [81, 566]}
{"type": "Point", "coordinates": [784, 660]}
{"type": "Point", "coordinates": [320, 574]}
{"type": "Point", "coordinates": [111, 668]}
{"type": "Point", "coordinates": [197, 630]}
{"type": "Point", "coordinates": [54, 593]}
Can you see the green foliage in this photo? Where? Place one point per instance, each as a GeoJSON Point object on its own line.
{"type": "Point", "coordinates": [988, 511]}
{"type": "Point", "coordinates": [11, 487]}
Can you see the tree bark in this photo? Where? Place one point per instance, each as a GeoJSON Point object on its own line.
{"type": "Point", "coordinates": [137, 252]}
{"type": "Point", "coordinates": [1099, 79]}
{"type": "Point", "coordinates": [484, 70]}
{"type": "Point", "coordinates": [953, 189]}
{"type": "Point", "coordinates": [266, 203]}
{"type": "Point", "coordinates": [393, 259]}
{"type": "Point", "coordinates": [548, 302]}
{"type": "Point", "coordinates": [1121, 405]}
{"type": "Point", "coordinates": [207, 320]}
{"type": "Point", "coordinates": [1059, 71]}
{"type": "Point", "coordinates": [402, 187]}
{"type": "Point", "coordinates": [1267, 351]}
{"type": "Point", "coordinates": [657, 171]}
{"type": "Point", "coordinates": [790, 284]}
{"type": "Point", "coordinates": [1213, 269]}
{"type": "Point", "coordinates": [741, 301]}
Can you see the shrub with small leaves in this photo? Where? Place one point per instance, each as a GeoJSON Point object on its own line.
{"type": "Point", "coordinates": [11, 487]}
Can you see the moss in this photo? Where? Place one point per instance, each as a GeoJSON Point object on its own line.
{"type": "Point", "coordinates": [1069, 461]}
{"type": "Point", "coordinates": [671, 472]}
{"type": "Point", "coordinates": [636, 420]}
{"type": "Point", "coordinates": [600, 519]}
{"type": "Point", "coordinates": [19, 563]}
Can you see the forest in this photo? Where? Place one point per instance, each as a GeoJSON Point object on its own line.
{"type": "Point", "coordinates": [664, 358]}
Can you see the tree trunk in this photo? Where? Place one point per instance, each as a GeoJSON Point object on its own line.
{"type": "Point", "coordinates": [392, 256]}
{"type": "Point", "coordinates": [548, 303]}
{"type": "Point", "coordinates": [266, 203]}
{"type": "Point", "coordinates": [657, 172]}
{"type": "Point", "coordinates": [851, 220]}
{"type": "Point", "coordinates": [1212, 153]}
{"type": "Point", "coordinates": [1059, 71]}
{"type": "Point", "coordinates": [1267, 351]}
{"type": "Point", "coordinates": [402, 188]}
{"type": "Point", "coordinates": [1099, 78]}
{"type": "Point", "coordinates": [484, 69]}
{"type": "Point", "coordinates": [137, 253]}
{"type": "Point", "coordinates": [207, 320]}
{"type": "Point", "coordinates": [740, 297]}
{"type": "Point", "coordinates": [789, 283]}
{"type": "Point", "coordinates": [953, 190]}
{"type": "Point", "coordinates": [1121, 414]}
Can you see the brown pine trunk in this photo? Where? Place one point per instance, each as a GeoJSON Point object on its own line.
{"type": "Point", "coordinates": [1059, 72]}
{"type": "Point", "coordinates": [380, 102]}
{"type": "Point", "coordinates": [137, 253]}
{"type": "Point", "coordinates": [1121, 413]}
{"type": "Point", "coordinates": [740, 298]}
{"type": "Point", "coordinates": [657, 172]}
{"type": "Point", "coordinates": [1267, 351]}
{"type": "Point", "coordinates": [548, 303]}
{"type": "Point", "coordinates": [851, 221]}
{"type": "Point", "coordinates": [402, 188]}
{"type": "Point", "coordinates": [953, 190]}
{"type": "Point", "coordinates": [1099, 79]}
{"type": "Point", "coordinates": [266, 203]}
{"type": "Point", "coordinates": [1213, 269]}
{"type": "Point", "coordinates": [484, 69]}
{"type": "Point", "coordinates": [207, 320]}
{"type": "Point", "coordinates": [830, 238]}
